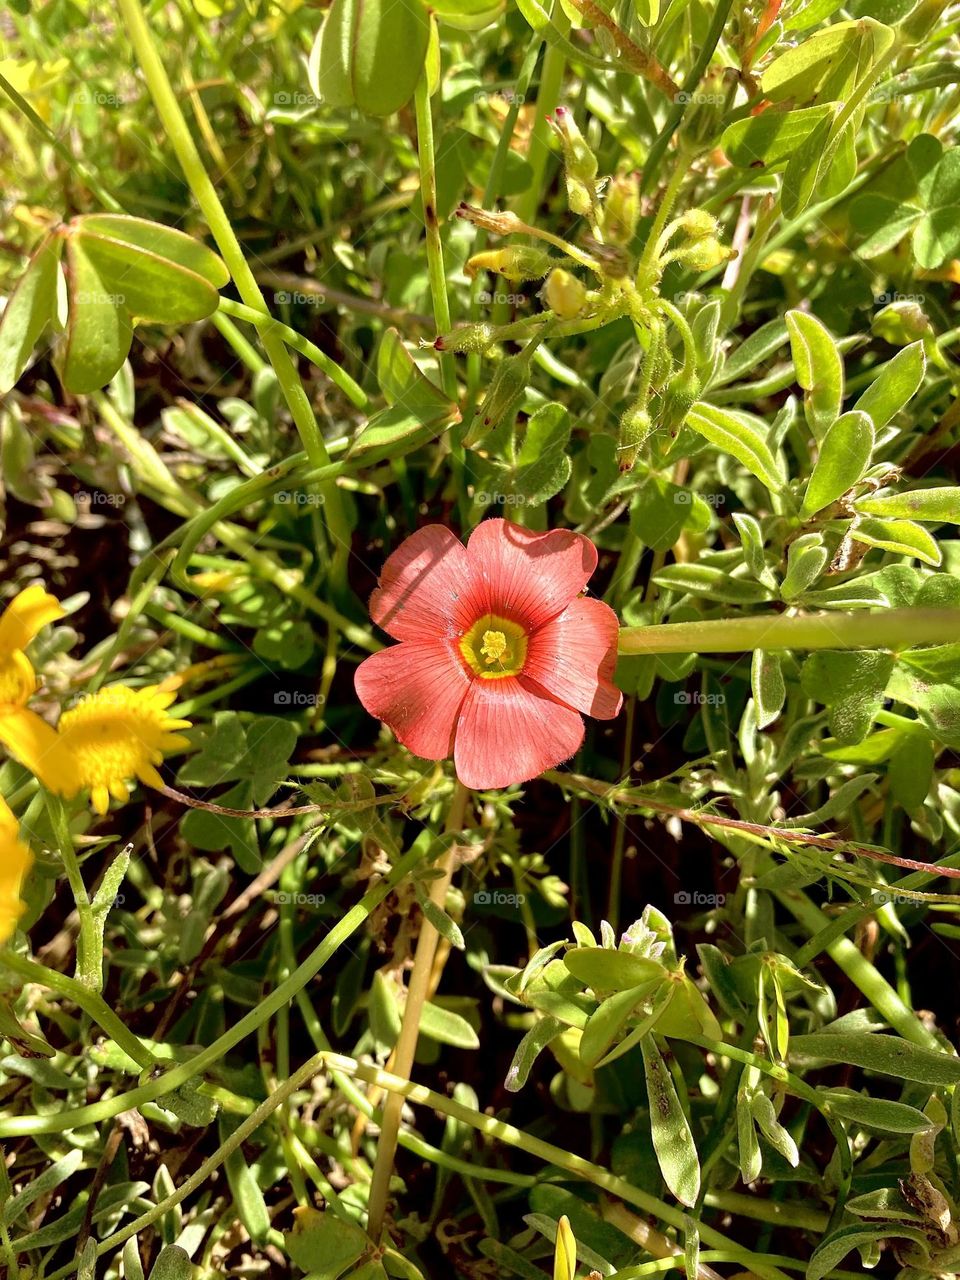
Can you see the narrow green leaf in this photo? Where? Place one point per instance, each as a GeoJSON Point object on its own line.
{"type": "Point", "coordinates": [607, 970]}
{"type": "Point", "coordinates": [844, 457]}
{"type": "Point", "coordinates": [902, 536]}
{"type": "Point", "coordinates": [894, 386]}
{"type": "Point", "coordinates": [740, 436]}
{"type": "Point", "coordinates": [148, 286]}
{"type": "Point", "coordinates": [884, 1054]}
{"type": "Point", "coordinates": [768, 686]}
{"type": "Point", "coordinates": [142, 235]}
{"type": "Point", "coordinates": [99, 331]}
{"type": "Point", "coordinates": [669, 1128]}
{"type": "Point", "coordinates": [819, 368]}
{"type": "Point", "coordinates": [940, 505]}
{"type": "Point", "coordinates": [543, 1031]}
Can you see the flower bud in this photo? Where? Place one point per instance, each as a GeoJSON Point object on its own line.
{"type": "Point", "coordinates": [579, 161]}
{"type": "Point", "coordinates": [518, 262]}
{"type": "Point", "coordinates": [703, 255]}
{"type": "Point", "coordinates": [502, 399]}
{"type": "Point", "coordinates": [564, 294]}
{"type": "Point", "coordinates": [901, 323]}
{"type": "Point", "coordinates": [621, 208]}
{"type": "Point", "coordinates": [635, 427]}
{"type": "Point", "coordinates": [697, 224]}
{"type": "Point", "coordinates": [467, 338]}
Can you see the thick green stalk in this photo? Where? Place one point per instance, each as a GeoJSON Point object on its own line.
{"type": "Point", "coordinates": [177, 130]}
{"type": "Point", "coordinates": [853, 629]}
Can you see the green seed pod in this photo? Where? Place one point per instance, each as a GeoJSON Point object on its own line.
{"type": "Point", "coordinates": [697, 224]}
{"type": "Point", "coordinates": [370, 54]}
{"type": "Point", "coordinates": [519, 262]}
{"type": "Point", "coordinates": [704, 254]}
{"type": "Point", "coordinates": [467, 338]}
{"type": "Point", "coordinates": [564, 294]}
{"type": "Point", "coordinates": [581, 196]}
{"type": "Point", "coordinates": [502, 399]}
{"type": "Point", "coordinates": [678, 398]}
{"type": "Point", "coordinates": [621, 208]}
{"type": "Point", "coordinates": [636, 426]}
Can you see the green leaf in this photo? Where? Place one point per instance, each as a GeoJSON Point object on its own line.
{"type": "Point", "coordinates": [669, 1128]}
{"type": "Point", "coordinates": [936, 236]}
{"type": "Point", "coordinates": [146, 285]}
{"type": "Point", "coordinates": [707, 580]}
{"type": "Point", "coordinates": [153, 238]}
{"type": "Point", "coordinates": [608, 1021]}
{"type": "Point", "coordinates": [29, 309]}
{"type": "Point", "coordinates": [324, 1245]}
{"type": "Point", "coordinates": [99, 331]}
{"type": "Point", "coordinates": [542, 466]}
{"type": "Point", "coordinates": [447, 1027]}
{"type": "Point", "coordinates": [819, 368]}
{"type": "Point", "coordinates": [883, 1054]}
{"type": "Point", "coordinates": [844, 457]}
{"type": "Point", "coordinates": [852, 685]}
{"type": "Point", "coordinates": [173, 1263]}
{"type": "Point", "coordinates": [800, 73]}
{"type": "Point", "coordinates": [767, 684]}
{"type": "Point", "coordinates": [748, 1144]}
{"type": "Point", "coordinates": [543, 1032]}
{"type": "Point", "coordinates": [940, 505]}
{"type": "Point", "coordinates": [875, 1114]}
{"type": "Point", "coordinates": [902, 536]}
{"type": "Point", "coordinates": [911, 771]}
{"type": "Point", "coordinates": [369, 54]}
{"type": "Point", "coordinates": [739, 435]}
{"type": "Point", "coordinates": [402, 382]}
{"type": "Point", "coordinates": [660, 511]}
{"type": "Point", "coordinates": [606, 970]}
{"type": "Point", "coordinates": [894, 386]}
{"type": "Point", "coordinates": [831, 1251]}
{"type": "Point", "coordinates": [806, 559]}
{"type": "Point", "coordinates": [247, 1196]}
{"type": "Point", "coordinates": [772, 137]}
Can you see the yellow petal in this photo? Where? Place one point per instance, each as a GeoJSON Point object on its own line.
{"type": "Point", "coordinates": [15, 861]}
{"type": "Point", "coordinates": [38, 748]}
{"type": "Point", "coordinates": [26, 615]}
{"type": "Point", "coordinates": [18, 680]}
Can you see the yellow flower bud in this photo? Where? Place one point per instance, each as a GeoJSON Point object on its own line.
{"type": "Point", "coordinates": [564, 294]}
{"type": "Point", "coordinates": [621, 208]}
{"type": "Point", "coordinates": [519, 262]}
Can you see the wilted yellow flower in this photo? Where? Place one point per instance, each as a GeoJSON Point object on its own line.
{"type": "Point", "coordinates": [115, 735]}
{"type": "Point", "coordinates": [20, 622]}
{"type": "Point", "coordinates": [15, 861]}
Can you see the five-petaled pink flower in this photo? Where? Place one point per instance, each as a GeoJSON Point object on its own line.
{"type": "Point", "coordinates": [499, 653]}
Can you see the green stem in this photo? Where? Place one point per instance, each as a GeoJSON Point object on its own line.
{"type": "Point", "coordinates": [178, 132]}
{"type": "Point", "coordinates": [91, 1002]}
{"type": "Point", "coordinates": [183, 1073]}
{"type": "Point", "coordinates": [854, 629]}
{"type": "Point", "coordinates": [418, 992]}
{"type": "Point", "coordinates": [428, 192]}
{"type": "Point", "coordinates": [548, 95]}
{"type": "Point", "coordinates": [89, 946]}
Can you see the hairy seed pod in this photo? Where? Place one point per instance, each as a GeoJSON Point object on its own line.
{"type": "Point", "coordinates": [635, 427]}
{"type": "Point", "coordinates": [472, 339]}
{"type": "Point", "coordinates": [621, 208]}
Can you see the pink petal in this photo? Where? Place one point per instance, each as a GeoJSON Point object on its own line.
{"type": "Point", "coordinates": [510, 731]}
{"type": "Point", "coordinates": [573, 658]}
{"type": "Point", "coordinates": [424, 587]}
{"type": "Point", "coordinates": [416, 689]}
{"type": "Point", "coordinates": [528, 576]}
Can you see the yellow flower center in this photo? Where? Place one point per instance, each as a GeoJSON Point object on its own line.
{"type": "Point", "coordinates": [494, 647]}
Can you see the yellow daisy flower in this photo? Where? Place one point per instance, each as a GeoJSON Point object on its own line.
{"type": "Point", "coordinates": [20, 622]}
{"type": "Point", "coordinates": [15, 861]}
{"type": "Point", "coordinates": [115, 735]}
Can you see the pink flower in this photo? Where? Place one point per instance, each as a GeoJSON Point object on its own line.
{"type": "Point", "coordinates": [498, 654]}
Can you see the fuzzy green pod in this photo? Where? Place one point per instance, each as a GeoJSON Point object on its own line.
{"type": "Point", "coordinates": [636, 426]}
{"type": "Point", "coordinates": [467, 339]}
{"type": "Point", "coordinates": [621, 208]}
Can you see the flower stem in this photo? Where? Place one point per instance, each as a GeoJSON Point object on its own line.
{"type": "Point", "coordinates": [177, 130]}
{"type": "Point", "coordinates": [89, 946]}
{"type": "Point", "coordinates": [418, 991]}
{"type": "Point", "coordinates": [854, 629]}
